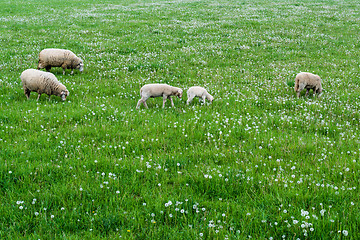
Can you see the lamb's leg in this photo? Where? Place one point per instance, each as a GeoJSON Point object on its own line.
{"type": "Point", "coordinates": [143, 101]}
{"type": "Point", "coordinates": [189, 100]}
{"type": "Point", "coordinates": [139, 103]}
{"type": "Point", "coordinates": [172, 103]}
{"type": "Point", "coordinates": [307, 92]}
{"type": "Point", "coordinates": [164, 100]}
{"type": "Point", "coordinates": [39, 94]}
{"type": "Point", "coordinates": [203, 98]}
{"type": "Point", "coordinates": [298, 94]}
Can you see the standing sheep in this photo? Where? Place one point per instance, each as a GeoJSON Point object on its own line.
{"type": "Point", "coordinates": [42, 82]}
{"type": "Point", "coordinates": [52, 57]}
{"type": "Point", "coordinates": [305, 80]}
{"type": "Point", "coordinates": [158, 90]}
{"type": "Point", "coordinates": [198, 92]}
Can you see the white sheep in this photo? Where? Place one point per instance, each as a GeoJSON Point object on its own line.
{"type": "Point", "coordinates": [305, 80]}
{"type": "Point", "coordinates": [52, 57]}
{"type": "Point", "coordinates": [42, 82]}
{"type": "Point", "coordinates": [158, 90]}
{"type": "Point", "coordinates": [199, 92]}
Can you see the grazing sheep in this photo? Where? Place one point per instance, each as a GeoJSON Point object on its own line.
{"type": "Point", "coordinates": [42, 82]}
{"type": "Point", "coordinates": [198, 92]}
{"type": "Point", "coordinates": [158, 90]}
{"type": "Point", "coordinates": [309, 81]}
{"type": "Point", "coordinates": [52, 57]}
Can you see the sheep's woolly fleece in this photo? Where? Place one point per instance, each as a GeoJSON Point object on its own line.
{"type": "Point", "coordinates": [158, 90]}
{"type": "Point", "coordinates": [42, 82]}
{"type": "Point", "coordinates": [52, 57]}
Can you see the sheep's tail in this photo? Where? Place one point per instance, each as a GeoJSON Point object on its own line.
{"type": "Point", "coordinates": [296, 84]}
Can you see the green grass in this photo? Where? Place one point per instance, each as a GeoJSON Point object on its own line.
{"type": "Point", "coordinates": [257, 163]}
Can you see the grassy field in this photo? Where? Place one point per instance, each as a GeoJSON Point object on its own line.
{"type": "Point", "coordinates": [257, 163]}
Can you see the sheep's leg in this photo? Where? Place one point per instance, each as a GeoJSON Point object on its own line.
{"type": "Point", "coordinates": [314, 91]}
{"type": "Point", "coordinates": [307, 92]}
{"type": "Point", "coordinates": [27, 93]}
{"type": "Point", "coordinates": [189, 100]}
{"type": "Point", "coordinates": [48, 69]}
{"type": "Point", "coordinates": [138, 104]}
{"type": "Point", "coordinates": [39, 94]}
{"type": "Point", "coordinates": [301, 87]}
{"type": "Point", "coordinates": [164, 100]}
{"type": "Point", "coordinates": [144, 98]}
{"type": "Point", "coordinates": [49, 97]}
{"type": "Point", "coordinates": [63, 67]}
{"type": "Point", "coordinates": [172, 103]}
{"type": "Point", "coordinates": [203, 98]}
{"type": "Point", "coordinates": [317, 91]}
{"type": "Point", "coordinates": [72, 71]}
{"type": "Point", "coordinates": [143, 101]}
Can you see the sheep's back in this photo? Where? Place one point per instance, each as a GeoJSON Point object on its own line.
{"type": "Point", "coordinates": [36, 80]}
{"type": "Point", "coordinates": [154, 89]}
{"type": "Point", "coordinates": [196, 90]}
{"type": "Point", "coordinates": [308, 79]}
{"type": "Point", "coordinates": [56, 57]}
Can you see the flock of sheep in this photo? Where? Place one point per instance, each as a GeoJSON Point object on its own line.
{"type": "Point", "coordinates": [45, 82]}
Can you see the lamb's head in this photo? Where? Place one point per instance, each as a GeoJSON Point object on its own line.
{"type": "Point", "coordinates": [64, 94]}
{"type": "Point", "coordinates": [210, 98]}
{"type": "Point", "coordinates": [179, 92]}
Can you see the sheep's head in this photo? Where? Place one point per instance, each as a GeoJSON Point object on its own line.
{"type": "Point", "coordinates": [80, 66]}
{"type": "Point", "coordinates": [179, 92]}
{"type": "Point", "coordinates": [64, 94]}
{"type": "Point", "coordinates": [210, 98]}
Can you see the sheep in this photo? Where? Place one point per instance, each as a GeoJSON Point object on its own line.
{"type": "Point", "coordinates": [52, 57]}
{"type": "Point", "coordinates": [158, 90]}
{"type": "Point", "coordinates": [42, 82]}
{"type": "Point", "coordinates": [198, 92]}
{"type": "Point", "coordinates": [308, 81]}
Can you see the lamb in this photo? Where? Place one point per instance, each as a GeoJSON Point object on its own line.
{"type": "Point", "coordinates": [308, 81]}
{"type": "Point", "coordinates": [158, 90]}
{"type": "Point", "coordinates": [52, 57]}
{"type": "Point", "coordinates": [198, 92]}
{"type": "Point", "coordinates": [42, 82]}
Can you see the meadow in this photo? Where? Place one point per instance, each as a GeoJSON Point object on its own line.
{"type": "Point", "coordinates": [258, 163]}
